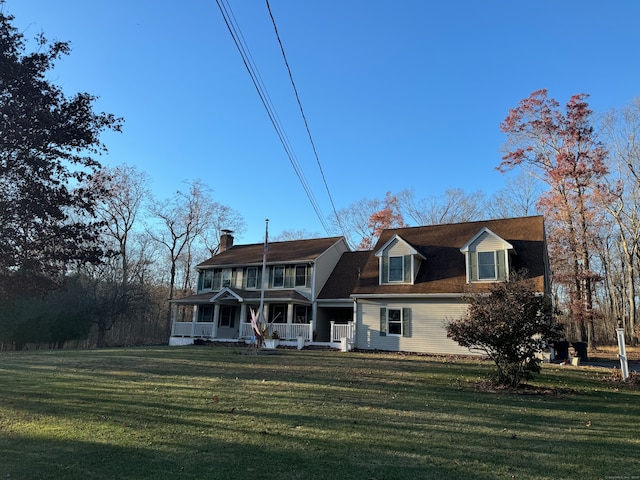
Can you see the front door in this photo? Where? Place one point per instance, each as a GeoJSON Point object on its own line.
{"type": "Point", "coordinates": [227, 322]}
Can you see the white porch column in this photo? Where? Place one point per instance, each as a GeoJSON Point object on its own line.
{"type": "Point", "coordinates": [289, 321]}
{"type": "Point", "coordinates": [243, 313]}
{"type": "Point", "coordinates": [216, 316]}
{"type": "Point", "coordinates": [174, 316]}
{"type": "Point", "coordinates": [194, 319]}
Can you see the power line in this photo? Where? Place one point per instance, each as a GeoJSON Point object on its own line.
{"type": "Point", "coordinates": [238, 39]}
{"type": "Point", "coordinates": [304, 118]}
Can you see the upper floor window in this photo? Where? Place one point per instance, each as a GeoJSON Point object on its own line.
{"type": "Point", "coordinates": [251, 277]}
{"type": "Point", "coordinates": [207, 279]}
{"type": "Point", "coordinates": [226, 277]}
{"type": "Point", "coordinates": [487, 257]}
{"type": "Point", "coordinates": [487, 266]}
{"type": "Point", "coordinates": [396, 270]}
{"type": "Point", "coordinates": [278, 277]}
{"type": "Point", "coordinates": [301, 275]}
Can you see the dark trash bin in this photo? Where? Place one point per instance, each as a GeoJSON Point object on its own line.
{"type": "Point", "coordinates": [581, 350]}
{"type": "Point", "coordinates": [561, 350]}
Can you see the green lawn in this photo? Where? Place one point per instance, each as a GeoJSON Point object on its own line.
{"type": "Point", "coordinates": [216, 413]}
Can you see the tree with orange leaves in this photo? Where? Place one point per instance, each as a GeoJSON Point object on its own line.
{"type": "Point", "coordinates": [388, 216]}
{"type": "Point", "coordinates": [559, 147]}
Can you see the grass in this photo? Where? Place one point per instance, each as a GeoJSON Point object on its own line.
{"type": "Point", "coordinates": [215, 413]}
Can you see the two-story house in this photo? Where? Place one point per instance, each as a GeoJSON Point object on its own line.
{"type": "Point", "coordinates": [396, 297]}
{"type": "Point", "coordinates": [231, 284]}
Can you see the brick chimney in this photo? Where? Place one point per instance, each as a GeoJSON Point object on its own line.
{"type": "Point", "coordinates": [226, 240]}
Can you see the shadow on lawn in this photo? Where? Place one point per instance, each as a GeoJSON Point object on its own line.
{"type": "Point", "coordinates": [203, 413]}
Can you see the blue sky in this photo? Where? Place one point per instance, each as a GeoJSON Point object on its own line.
{"type": "Point", "coordinates": [405, 94]}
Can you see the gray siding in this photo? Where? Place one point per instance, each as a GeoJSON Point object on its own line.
{"type": "Point", "coordinates": [428, 334]}
{"type": "Point", "coordinates": [487, 243]}
{"type": "Point", "coordinates": [325, 264]}
{"type": "Point", "coordinates": [397, 249]}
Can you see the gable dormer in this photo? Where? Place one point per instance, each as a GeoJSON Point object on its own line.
{"type": "Point", "coordinates": [398, 262]}
{"type": "Point", "coordinates": [487, 257]}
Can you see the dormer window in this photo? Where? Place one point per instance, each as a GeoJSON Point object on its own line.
{"type": "Point", "coordinates": [399, 261]}
{"type": "Point", "coordinates": [487, 266]}
{"type": "Point", "coordinates": [396, 270]}
{"type": "Point", "coordinates": [487, 257]}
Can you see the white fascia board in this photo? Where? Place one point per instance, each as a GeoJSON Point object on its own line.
{"type": "Point", "coordinates": [407, 295]}
{"type": "Point", "coordinates": [226, 291]}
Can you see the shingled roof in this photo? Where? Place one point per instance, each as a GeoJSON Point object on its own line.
{"type": "Point", "coordinates": [278, 252]}
{"type": "Point", "coordinates": [345, 276]}
{"type": "Point", "coordinates": [444, 269]}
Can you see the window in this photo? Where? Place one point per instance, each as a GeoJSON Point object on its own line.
{"type": "Point", "coordinates": [205, 313]}
{"type": "Point", "coordinates": [395, 322]}
{"type": "Point", "coordinates": [252, 277]}
{"type": "Point", "coordinates": [207, 279]}
{"type": "Point", "coordinates": [278, 314]}
{"type": "Point", "coordinates": [278, 277]}
{"type": "Point", "coordinates": [301, 275]}
{"type": "Point", "coordinates": [226, 277]}
{"type": "Point", "coordinates": [395, 269]}
{"type": "Point", "coordinates": [486, 266]}
{"type": "Point", "coordinates": [226, 316]}
{"type": "Point", "coordinates": [301, 314]}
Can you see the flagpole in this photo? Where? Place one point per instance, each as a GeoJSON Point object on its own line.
{"type": "Point", "coordinates": [264, 269]}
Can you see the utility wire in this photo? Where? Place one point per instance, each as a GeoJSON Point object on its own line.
{"type": "Point", "coordinates": [304, 118]}
{"type": "Point", "coordinates": [247, 59]}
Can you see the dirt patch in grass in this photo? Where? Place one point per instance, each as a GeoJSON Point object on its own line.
{"type": "Point", "coordinates": [523, 389]}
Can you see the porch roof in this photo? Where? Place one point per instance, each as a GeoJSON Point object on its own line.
{"type": "Point", "coordinates": [246, 296]}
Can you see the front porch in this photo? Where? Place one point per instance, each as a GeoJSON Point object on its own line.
{"type": "Point", "coordinates": [342, 335]}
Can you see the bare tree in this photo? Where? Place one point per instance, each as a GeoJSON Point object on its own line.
{"type": "Point", "coordinates": [621, 197]}
{"type": "Point", "coordinates": [182, 221]}
{"type": "Point", "coordinates": [454, 206]}
{"type": "Point", "coordinates": [286, 235]}
{"type": "Point", "coordinates": [519, 198]}
{"type": "Point", "coordinates": [363, 220]}
{"type": "Point", "coordinates": [127, 189]}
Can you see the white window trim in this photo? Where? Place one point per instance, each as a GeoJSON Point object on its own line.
{"type": "Point", "coordinates": [400, 321]}
{"type": "Point", "coordinates": [495, 266]}
{"type": "Point", "coordinates": [255, 269]}
{"type": "Point", "coordinates": [226, 276]}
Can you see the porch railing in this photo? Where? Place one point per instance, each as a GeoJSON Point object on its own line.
{"type": "Point", "coordinates": [192, 329]}
{"type": "Point", "coordinates": [286, 331]}
{"type": "Point", "coordinates": [343, 330]}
